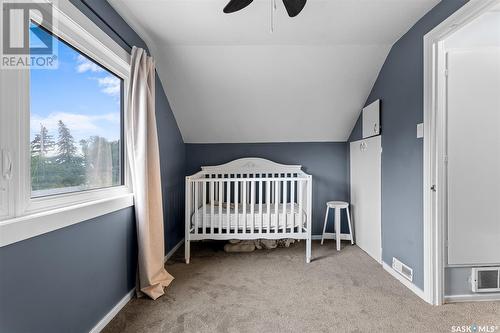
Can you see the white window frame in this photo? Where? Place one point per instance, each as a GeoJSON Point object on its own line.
{"type": "Point", "coordinates": [46, 214]}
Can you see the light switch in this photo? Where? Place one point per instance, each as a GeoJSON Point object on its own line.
{"type": "Point", "coordinates": [420, 130]}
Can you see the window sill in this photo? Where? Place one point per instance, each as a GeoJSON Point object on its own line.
{"type": "Point", "coordinates": [21, 228]}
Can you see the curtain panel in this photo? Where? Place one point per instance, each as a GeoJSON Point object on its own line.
{"type": "Point", "coordinates": [144, 161]}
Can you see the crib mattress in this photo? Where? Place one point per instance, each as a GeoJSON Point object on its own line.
{"type": "Point", "coordinates": [291, 216]}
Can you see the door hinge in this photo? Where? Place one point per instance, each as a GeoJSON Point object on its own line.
{"type": "Point", "coordinates": [433, 188]}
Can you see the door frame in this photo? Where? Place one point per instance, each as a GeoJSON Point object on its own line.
{"type": "Point", "coordinates": [434, 144]}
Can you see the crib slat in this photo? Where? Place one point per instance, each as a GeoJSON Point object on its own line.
{"type": "Point", "coordinates": [216, 196]}
{"type": "Point", "coordinates": [212, 206]}
{"type": "Point", "coordinates": [268, 201]}
{"type": "Point", "coordinates": [252, 204]}
{"type": "Point", "coordinates": [244, 199]}
{"type": "Point", "coordinates": [260, 206]}
{"type": "Point", "coordinates": [292, 204]}
{"type": "Point", "coordinates": [248, 188]}
{"type": "Point", "coordinates": [196, 205]}
{"type": "Point", "coordinates": [228, 208]}
{"type": "Point", "coordinates": [273, 191]}
{"type": "Point", "coordinates": [240, 189]}
{"type": "Point", "coordinates": [279, 183]}
{"type": "Point", "coordinates": [276, 205]}
{"type": "Point", "coordinates": [236, 198]}
{"type": "Point", "coordinates": [204, 196]}
{"type": "Point", "coordinates": [285, 204]}
{"type": "Point", "coordinates": [299, 194]}
{"type": "Point", "coordinates": [221, 198]}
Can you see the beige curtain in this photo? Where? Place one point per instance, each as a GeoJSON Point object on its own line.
{"type": "Point", "coordinates": [144, 160]}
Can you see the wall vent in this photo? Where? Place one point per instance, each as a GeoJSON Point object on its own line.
{"type": "Point", "coordinates": [402, 269]}
{"type": "Point", "coordinates": [486, 279]}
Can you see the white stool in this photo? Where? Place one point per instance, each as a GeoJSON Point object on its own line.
{"type": "Point", "coordinates": [337, 206]}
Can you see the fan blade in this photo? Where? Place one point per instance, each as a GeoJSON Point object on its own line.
{"type": "Point", "coordinates": [294, 7]}
{"type": "Point", "coordinates": [235, 5]}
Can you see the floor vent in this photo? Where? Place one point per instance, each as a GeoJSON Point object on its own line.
{"type": "Point", "coordinates": [486, 279]}
{"type": "Point", "coordinates": [402, 269]}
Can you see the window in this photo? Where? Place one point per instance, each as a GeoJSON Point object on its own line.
{"type": "Point", "coordinates": [62, 130]}
{"type": "Point", "coordinates": [75, 123]}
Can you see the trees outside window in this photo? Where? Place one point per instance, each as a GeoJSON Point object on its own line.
{"type": "Point", "coordinates": [75, 125]}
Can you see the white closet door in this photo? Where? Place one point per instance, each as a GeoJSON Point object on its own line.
{"type": "Point", "coordinates": [366, 175]}
{"type": "Point", "coordinates": [473, 157]}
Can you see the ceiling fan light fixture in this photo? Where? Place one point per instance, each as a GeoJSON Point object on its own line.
{"type": "Point", "coordinates": [293, 7]}
{"type": "Point", "coordinates": [236, 5]}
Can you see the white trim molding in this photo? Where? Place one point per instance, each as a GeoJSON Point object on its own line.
{"type": "Point", "coordinates": [21, 228]}
{"type": "Point", "coordinates": [113, 312]}
{"type": "Point", "coordinates": [472, 298]}
{"type": "Point", "coordinates": [434, 180]}
{"type": "Point", "coordinates": [127, 298]}
{"type": "Point", "coordinates": [331, 235]}
{"type": "Point", "coordinates": [174, 249]}
{"type": "Point", "coordinates": [416, 290]}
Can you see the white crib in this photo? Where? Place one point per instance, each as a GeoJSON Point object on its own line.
{"type": "Point", "coordinates": [249, 198]}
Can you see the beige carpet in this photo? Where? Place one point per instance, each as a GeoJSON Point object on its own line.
{"type": "Point", "coordinates": [276, 291]}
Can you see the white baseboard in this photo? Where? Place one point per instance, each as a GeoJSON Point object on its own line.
{"type": "Point", "coordinates": [416, 290]}
{"type": "Point", "coordinates": [114, 311]}
{"type": "Point", "coordinates": [176, 247]}
{"type": "Point", "coordinates": [472, 298]}
{"type": "Point", "coordinates": [329, 235]}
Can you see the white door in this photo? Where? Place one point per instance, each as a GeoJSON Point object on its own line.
{"type": "Point", "coordinates": [473, 149]}
{"type": "Point", "coordinates": [366, 182]}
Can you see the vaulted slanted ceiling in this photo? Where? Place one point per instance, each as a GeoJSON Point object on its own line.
{"type": "Point", "coordinates": [228, 79]}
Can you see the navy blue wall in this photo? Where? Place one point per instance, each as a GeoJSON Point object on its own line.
{"type": "Point", "coordinates": [68, 279]}
{"type": "Point", "coordinates": [173, 158]}
{"type": "Point", "coordinates": [400, 87]}
{"type": "Point", "coordinates": [325, 161]}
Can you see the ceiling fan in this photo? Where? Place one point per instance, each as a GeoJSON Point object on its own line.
{"type": "Point", "coordinates": [293, 7]}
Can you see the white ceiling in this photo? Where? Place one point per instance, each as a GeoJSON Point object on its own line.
{"type": "Point", "coordinates": [228, 79]}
